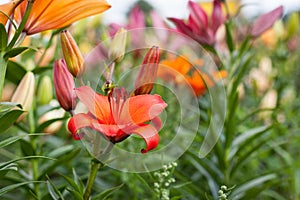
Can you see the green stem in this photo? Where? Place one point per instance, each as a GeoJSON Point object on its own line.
{"type": "Point", "coordinates": [22, 25]}
{"type": "Point", "coordinates": [46, 49]}
{"type": "Point", "coordinates": [34, 162]}
{"type": "Point", "coordinates": [3, 66]}
{"type": "Point", "coordinates": [95, 166]}
{"type": "Point", "coordinates": [35, 169]}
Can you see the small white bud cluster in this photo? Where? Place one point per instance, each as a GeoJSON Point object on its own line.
{"type": "Point", "coordinates": [164, 180]}
{"type": "Point", "coordinates": [224, 192]}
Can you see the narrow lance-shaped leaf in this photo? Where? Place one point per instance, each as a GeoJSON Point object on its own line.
{"type": "Point", "coordinates": [3, 37]}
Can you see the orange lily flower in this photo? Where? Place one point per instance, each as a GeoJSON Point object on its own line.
{"type": "Point", "coordinates": [198, 80]}
{"type": "Point", "coordinates": [7, 8]}
{"type": "Point", "coordinates": [118, 115]}
{"type": "Point", "coordinates": [55, 14]}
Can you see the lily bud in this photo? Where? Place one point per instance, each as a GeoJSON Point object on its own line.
{"type": "Point", "coordinates": [292, 24]}
{"type": "Point", "coordinates": [72, 54]}
{"type": "Point", "coordinates": [24, 93]}
{"type": "Point", "coordinates": [148, 72]}
{"type": "Point", "coordinates": [64, 85]}
{"type": "Point", "coordinates": [117, 48]}
{"type": "Point", "coordinates": [45, 93]}
{"type": "Point", "coordinates": [55, 126]}
{"type": "Point", "coordinates": [266, 21]}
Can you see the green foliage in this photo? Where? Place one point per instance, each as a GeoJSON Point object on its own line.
{"type": "Point", "coordinates": [255, 157]}
{"type": "Point", "coordinates": [9, 113]}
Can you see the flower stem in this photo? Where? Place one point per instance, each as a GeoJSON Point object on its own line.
{"type": "Point", "coordinates": [95, 166]}
{"type": "Point", "coordinates": [22, 25]}
{"type": "Point", "coordinates": [3, 66]}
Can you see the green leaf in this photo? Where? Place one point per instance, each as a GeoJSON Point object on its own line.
{"type": "Point", "coordinates": [73, 184]}
{"type": "Point", "coordinates": [53, 191]}
{"type": "Point", "coordinates": [15, 72]}
{"type": "Point", "coordinates": [14, 186]}
{"type": "Point", "coordinates": [11, 140]}
{"type": "Point", "coordinates": [104, 195]}
{"type": "Point", "coordinates": [76, 195]}
{"type": "Point", "coordinates": [7, 106]}
{"type": "Point", "coordinates": [8, 115]}
{"type": "Point", "coordinates": [27, 148]}
{"type": "Point", "coordinates": [8, 119]}
{"type": "Point", "coordinates": [41, 127]}
{"type": "Point", "coordinates": [14, 52]}
{"type": "Point", "coordinates": [23, 158]}
{"type": "Point", "coordinates": [11, 167]}
{"type": "Point", "coordinates": [40, 70]}
{"type": "Point", "coordinates": [65, 158]}
{"type": "Point", "coordinates": [243, 155]}
{"type": "Point", "coordinates": [14, 139]}
{"type": "Point", "coordinates": [247, 137]}
{"type": "Point", "coordinates": [229, 40]}
{"type": "Point", "coordinates": [78, 181]}
{"type": "Point", "coordinates": [3, 38]}
{"type": "Point", "coordinates": [240, 191]}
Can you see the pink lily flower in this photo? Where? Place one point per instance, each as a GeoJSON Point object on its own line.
{"type": "Point", "coordinates": [198, 26]}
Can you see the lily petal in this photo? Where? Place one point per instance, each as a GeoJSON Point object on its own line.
{"type": "Point", "coordinates": [54, 14]}
{"type": "Point", "coordinates": [150, 136]}
{"type": "Point", "coordinates": [136, 18]}
{"type": "Point", "coordinates": [217, 17]}
{"type": "Point", "coordinates": [156, 121]}
{"type": "Point", "coordinates": [142, 108]}
{"type": "Point", "coordinates": [79, 121]}
{"type": "Point", "coordinates": [198, 15]}
{"type": "Point", "coordinates": [6, 8]}
{"type": "Point", "coordinates": [97, 104]}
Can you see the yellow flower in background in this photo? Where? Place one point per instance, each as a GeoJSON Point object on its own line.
{"type": "Point", "coordinates": [233, 6]}
{"type": "Point", "coordinates": [55, 14]}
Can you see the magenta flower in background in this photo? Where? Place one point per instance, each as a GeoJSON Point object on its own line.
{"type": "Point", "coordinates": [136, 20]}
{"type": "Point", "coordinates": [199, 26]}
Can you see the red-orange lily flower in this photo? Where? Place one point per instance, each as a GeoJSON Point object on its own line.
{"type": "Point", "coordinates": [118, 115]}
{"type": "Point", "coordinates": [55, 14]}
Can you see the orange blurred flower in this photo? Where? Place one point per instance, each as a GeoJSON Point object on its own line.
{"type": "Point", "coordinates": [55, 14]}
{"type": "Point", "coordinates": [198, 80]}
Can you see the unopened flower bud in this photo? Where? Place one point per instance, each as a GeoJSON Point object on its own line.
{"type": "Point", "coordinates": [64, 85]}
{"type": "Point", "coordinates": [266, 21]}
{"type": "Point", "coordinates": [148, 72]}
{"type": "Point", "coordinates": [72, 54]}
{"type": "Point", "coordinates": [24, 93]}
{"type": "Point", "coordinates": [45, 92]}
{"type": "Point", "coordinates": [117, 48]}
{"type": "Point", "coordinates": [292, 24]}
{"type": "Point", "coordinates": [55, 126]}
